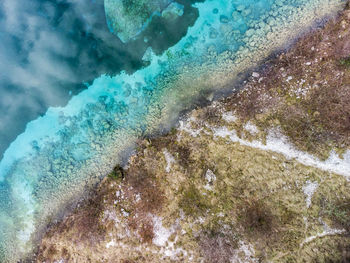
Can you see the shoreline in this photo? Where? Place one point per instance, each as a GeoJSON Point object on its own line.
{"type": "Point", "coordinates": [200, 109]}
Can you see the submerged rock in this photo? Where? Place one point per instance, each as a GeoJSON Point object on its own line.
{"type": "Point", "coordinates": [173, 11]}
{"type": "Point", "coordinates": [128, 18]}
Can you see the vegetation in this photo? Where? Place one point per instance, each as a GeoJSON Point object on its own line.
{"type": "Point", "coordinates": [305, 91]}
{"type": "Point", "coordinates": [192, 202]}
{"type": "Point", "coordinates": [345, 61]}
{"type": "Point", "coordinates": [117, 173]}
{"type": "Point", "coordinates": [217, 245]}
{"type": "Point", "coordinates": [257, 219]}
{"type": "Point", "coordinates": [339, 213]}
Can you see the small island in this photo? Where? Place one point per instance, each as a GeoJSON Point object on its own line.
{"type": "Point", "coordinates": [128, 18]}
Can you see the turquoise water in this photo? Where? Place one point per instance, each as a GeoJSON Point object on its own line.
{"type": "Point", "coordinates": [50, 50]}
{"type": "Point", "coordinates": [70, 147]}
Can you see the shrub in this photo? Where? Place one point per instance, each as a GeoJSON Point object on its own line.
{"type": "Point", "coordinates": [117, 173]}
{"type": "Point", "coordinates": [345, 61]}
{"type": "Point", "coordinates": [141, 181]}
{"type": "Point", "coordinates": [192, 202]}
{"type": "Point", "coordinates": [339, 212]}
{"type": "Point", "coordinates": [217, 245]}
{"type": "Point", "coordinates": [257, 218]}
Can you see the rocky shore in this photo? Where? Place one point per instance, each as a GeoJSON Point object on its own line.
{"type": "Point", "coordinates": [260, 176]}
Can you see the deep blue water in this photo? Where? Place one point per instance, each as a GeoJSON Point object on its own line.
{"type": "Point", "coordinates": [96, 96]}
{"type": "Point", "coordinates": [50, 50]}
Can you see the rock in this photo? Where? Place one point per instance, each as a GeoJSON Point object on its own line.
{"type": "Point", "coordinates": [148, 54]}
{"type": "Point", "coordinates": [128, 18]}
{"type": "Point", "coordinates": [255, 75]}
{"type": "Point", "coordinates": [224, 19]}
{"type": "Point", "coordinates": [250, 32]}
{"type": "Point", "coordinates": [173, 11]}
{"type": "Point", "coordinates": [240, 8]}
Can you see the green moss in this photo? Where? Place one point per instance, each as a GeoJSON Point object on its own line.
{"type": "Point", "coordinates": [173, 131]}
{"type": "Point", "coordinates": [192, 201]}
{"type": "Point", "coordinates": [345, 62]}
{"type": "Point", "coordinates": [116, 174]}
{"type": "Point", "coordinates": [327, 249]}
{"type": "Point", "coordinates": [338, 212]}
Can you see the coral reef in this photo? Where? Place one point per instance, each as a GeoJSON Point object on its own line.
{"type": "Point", "coordinates": [128, 18]}
{"type": "Point", "coordinates": [260, 176]}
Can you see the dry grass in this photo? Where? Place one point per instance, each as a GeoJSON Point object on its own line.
{"type": "Point", "coordinates": [87, 221]}
{"type": "Point", "coordinates": [306, 89]}
{"type": "Point", "coordinates": [192, 202]}
{"type": "Point", "coordinates": [217, 246]}
{"type": "Point", "coordinates": [144, 197]}
{"type": "Point", "coordinates": [338, 211]}
{"type": "Point", "coordinates": [50, 254]}
{"type": "Point", "coordinates": [139, 181]}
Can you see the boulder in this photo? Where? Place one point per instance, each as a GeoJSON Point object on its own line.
{"type": "Point", "coordinates": [128, 18]}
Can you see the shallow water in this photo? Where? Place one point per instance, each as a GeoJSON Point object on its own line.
{"type": "Point", "coordinates": [72, 146]}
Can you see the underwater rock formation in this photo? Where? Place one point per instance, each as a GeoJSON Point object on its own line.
{"type": "Point", "coordinates": [128, 18]}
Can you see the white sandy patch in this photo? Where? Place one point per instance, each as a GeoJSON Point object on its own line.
{"type": "Point", "coordinates": [186, 126]}
{"type": "Point", "coordinates": [169, 160]}
{"type": "Point", "coordinates": [277, 142]}
{"type": "Point", "coordinates": [229, 116]}
{"type": "Point", "coordinates": [138, 197]}
{"type": "Point", "coordinates": [246, 256]}
{"type": "Point", "coordinates": [289, 78]}
{"type": "Point", "coordinates": [110, 215]}
{"type": "Point", "coordinates": [255, 75]}
{"type": "Point", "coordinates": [161, 239]}
{"type": "Point", "coordinates": [161, 233]}
{"type": "Point", "coordinates": [251, 128]}
{"type": "Point", "coordinates": [329, 232]}
{"type": "Point", "coordinates": [309, 189]}
{"type": "Point", "coordinates": [326, 232]}
{"type": "Point", "coordinates": [112, 243]}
